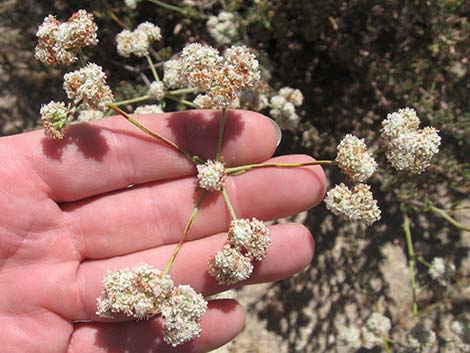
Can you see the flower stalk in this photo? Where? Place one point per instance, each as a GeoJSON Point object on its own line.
{"type": "Point", "coordinates": [220, 139]}
{"type": "Point", "coordinates": [190, 223]}
{"type": "Point", "coordinates": [194, 159]}
{"type": "Point", "coordinates": [411, 263]}
{"type": "Point", "coordinates": [228, 203]}
{"type": "Point", "coordinates": [244, 168]}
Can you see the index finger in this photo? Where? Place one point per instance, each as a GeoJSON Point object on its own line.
{"type": "Point", "coordinates": [110, 154]}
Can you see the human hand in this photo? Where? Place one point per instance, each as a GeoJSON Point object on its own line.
{"type": "Point", "coordinates": [68, 216]}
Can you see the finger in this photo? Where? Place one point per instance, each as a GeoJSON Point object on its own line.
{"type": "Point", "coordinates": [111, 153]}
{"type": "Point", "coordinates": [153, 215]}
{"type": "Point", "coordinates": [290, 252]}
{"type": "Point", "coordinates": [222, 322]}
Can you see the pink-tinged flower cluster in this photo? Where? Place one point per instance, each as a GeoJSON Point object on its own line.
{"type": "Point", "coordinates": [354, 160]}
{"type": "Point", "coordinates": [88, 86]}
{"type": "Point", "coordinates": [248, 240]}
{"type": "Point", "coordinates": [221, 78]}
{"type": "Point", "coordinates": [55, 118]}
{"type": "Point", "coordinates": [58, 42]}
{"type": "Point", "coordinates": [138, 41]}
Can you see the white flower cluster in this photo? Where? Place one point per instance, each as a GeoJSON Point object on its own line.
{"type": "Point", "coordinates": [223, 27]}
{"type": "Point", "coordinates": [149, 109]}
{"type": "Point", "coordinates": [89, 114]}
{"type": "Point", "coordinates": [407, 147]}
{"type": "Point", "coordinates": [132, 4]}
{"type": "Point", "coordinates": [88, 86]}
{"type": "Point", "coordinates": [211, 175]}
{"type": "Point", "coordinates": [182, 314]}
{"type": "Point", "coordinates": [144, 291]}
{"type": "Point", "coordinates": [172, 76]}
{"type": "Point", "coordinates": [357, 204]}
{"type": "Point", "coordinates": [157, 90]}
{"type": "Point", "coordinates": [221, 78]}
{"type": "Point", "coordinates": [354, 160]}
{"type": "Point", "coordinates": [441, 271]}
{"type": "Point", "coordinates": [248, 241]}
{"type": "Point", "coordinates": [138, 41]}
{"type": "Point", "coordinates": [58, 42]}
{"type": "Point", "coordinates": [283, 107]}
{"type": "Point", "coordinates": [420, 337]}
{"type": "Point", "coordinates": [371, 335]}
{"type": "Point", "coordinates": [54, 117]}
{"type": "Point", "coordinates": [461, 331]}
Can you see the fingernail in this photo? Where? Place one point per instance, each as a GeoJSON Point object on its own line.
{"type": "Point", "coordinates": [278, 132]}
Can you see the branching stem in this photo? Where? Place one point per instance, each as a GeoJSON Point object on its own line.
{"type": "Point", "coordinates": [185, 232]}
{"type": "Point", "coordinates": [194, 159]}
{"type": "Point", "coordinates": [152, 67]}
{"type": "Point", "coordinates": [244, 168]}
{"type": "Point", "coordinates": [229, 204]}
{"type": "Point", "coordinates": [132, 100]}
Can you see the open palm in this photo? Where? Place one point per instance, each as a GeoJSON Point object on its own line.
{"type": "Point", "coordinates": [68, 215]}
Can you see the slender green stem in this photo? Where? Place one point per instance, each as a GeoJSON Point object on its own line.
{"type": "Point", "coordinates": [168, 6]}
{"type": "Point", "coordinates": [229, 204]}
{"type": "Point", "coordinates": [448, 218]}
{"type": "Point", "coordinates": [132, 100]}
{"type": "Point", "coordinates": [194, 159]}
{"type": "Point", "coordinates": [184, 101]}
{"type": "Point", "coordinates": [411, 262]}
{"type": "Point", "coordinates": [81, 57]}
{"type": "Point", "coordinates": [220, 139]}
{"type": "Point", "coordinates": [190, 223]}
{"type": "Point", "coordinates": [423, 262]}
{"type": "Point", "coordinates": [152, 67]}
{"type": "Point", "coordinates": [386, 345]}
{"type": "Point", "coordinates": [182, 91]}
{"type": "Point", "coordinates": [244, 168]}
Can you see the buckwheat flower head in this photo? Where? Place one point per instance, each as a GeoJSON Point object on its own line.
{"type": "Point", "coordinates": [157, 90]}
{"type": "Point", "coordinates": [198, 64]}
{"type": "Point", "coordinates": [132, 4]}
{"type": "Point", "coordinates": [221, 78]}
{"type": "Point", "coordinates": [357, 204]}
{"type": "Point", "coordinates": [211, 175]}
{"type": "Point", "coordinates": [79, 31]}
{"type": "Point", "coordinates": [244, 68]}
{"type": "Point", "coordinates": [251, 237]}
{"type": "Point", "coordinates": [292, 95]}
{"type": "Point", "coordinates": [413, 151]}
{"type": "Point", "coordinates": [48, 50]}
{"type": "Point", "coordinates": [397, 123]}
{"type": "Point", "coordinates": [88, 86]}
{"type": "Point", "coordinates": [139, 292]}
{"type": "Point", "coordinates": [152, 31]}
{"type": "Point", "coordinates": [230, 266]}
{"type": "Point", "coordinates": [223, 27]}
{"type": "Point", "coordinates": [54, 116]}
{"type": "Point", "coordinates": [58, 42]}
{"type": "Point", "coordinates": [350, 337]}
{"type": "Point", "coordinates": [172, 76]}
{"type": "Point", "coordinates": [420, 336]}
{"type": "Point", "coordinates": [138, 41]}
{"type": "Point", "coordinates": [283, 112]}
{"type": "Point", "coordinates": [149, 109]}
{"type": "Point", "coordinates": [182, 314]}
{"type": "Point", "coordinates": [378, 323]}
{"type": "Point", "coordinates": [89, 115]}
{"type": "Point", "coordinates": [370, 339]}
{"type": "Point", "coordinates": [354, 160]}
{"type": "Point", "coordinates": [441, 270]}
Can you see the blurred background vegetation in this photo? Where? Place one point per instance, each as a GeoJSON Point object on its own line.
{"type": "Point", "coordinates": [355, 61]}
